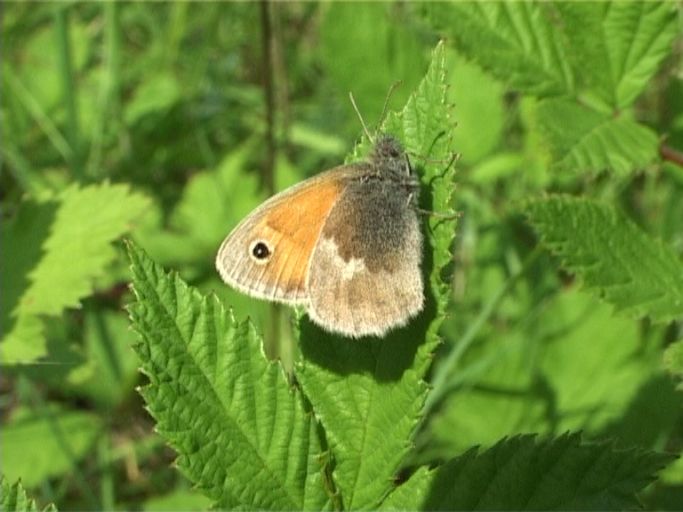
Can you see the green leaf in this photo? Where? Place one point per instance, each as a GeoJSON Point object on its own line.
{"type": "Point", "coordinates": [51, 271]}
{"type": "Point", "coordinates": [653, 414]}
{"type": "Point", "coordinates": [411, 494]}
{"type": "Point", "coordinates": [583, 140]}
{"type": "Point", "coordinates": [156, 95]}
{"type": "Point", "coordinates": [45, 443]}
{"type": "Point", "coordinates": [13, 498]}
{"type": "Point", "coordinates": [592, 363]}
{"type": "Point", "coordinates": [243, 436]}
{"type": "Point", "coordinates": [616, 47]}
{"type": "Point", "coordinates": [608, 51]}
{"type": "Point", "coordinates": [637, 274]}
{"type": "Point", "coordinates": [511, 40]}
{"type": "Point", "coordinates": [522, 473]}
{"type": "Point", "coordinates": [179, 499]}
{"type": "Point", "coordinates": [369, 395]}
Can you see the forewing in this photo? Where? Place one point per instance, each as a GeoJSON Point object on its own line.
{"type": "Point", "coordinates": [290, 224]}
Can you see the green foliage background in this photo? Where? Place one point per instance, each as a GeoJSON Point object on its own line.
{"type": "Point", "coordinates": [555, 305]}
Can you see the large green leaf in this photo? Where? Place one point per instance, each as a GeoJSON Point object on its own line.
{"type": "Point", "coordinates": [583, 140]}
{"type": "Point", "coordinates": [604, 51]}
{"type": "Point", "coordinates": [243, 435]}
{"type": "Point", "coordinates": [53, 253]}
{"type": "Point", "coordinates": [636, 273]}
{"type": "Point", "coordinates": [522, 473]}
{"type": "Point", "coordinates": [369, 394]}
{"type": "Point", "coordinates": [616, 47]}
{"type": "Point", "coordinates": [514, 41]}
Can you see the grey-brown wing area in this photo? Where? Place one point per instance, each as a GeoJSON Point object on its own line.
{"type": "Point", "coordinates": [365, 277]}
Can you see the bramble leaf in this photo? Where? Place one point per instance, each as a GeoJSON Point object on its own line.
{"type": "Point", "coordinates": [635, 273]}
{"type": "Point", "coordinates": [243, 436]}
{"type": "Point", "coordinates": [616, 47]}
{"type": "Point", "coordinates": [583, 140]}
{"type": "Point", "coordinates": [62, 246]}
{"type": "Point", "coordinates": [13, 498]}
{"type": "Point", "coordinates": [522, 48]}
{"type": "Point", "coordinates": [522, 473]}
{"type": "Point", "coordinates": [369, 394]}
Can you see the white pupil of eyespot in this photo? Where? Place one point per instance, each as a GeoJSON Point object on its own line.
{"type": "Point", "coordinates": [259, 251]}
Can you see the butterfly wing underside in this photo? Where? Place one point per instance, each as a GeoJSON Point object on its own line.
{"type": "Point", "coordinates": [365, 274]}
{"type": "Point", "coordinates": [290, 224]}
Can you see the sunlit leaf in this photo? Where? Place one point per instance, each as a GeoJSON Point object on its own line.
{"type": "Point", "coordinates": [242, 434]}
{"type": "Point", "coordinates": [58, 248]}
{"type": "Point", "coordinates": [369, 395]}
{"type": "Point", "coordinates": [45, 443]}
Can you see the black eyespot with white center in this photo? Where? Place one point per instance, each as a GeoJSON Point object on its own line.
{"type": "Point", "coordinates": [260, 251]}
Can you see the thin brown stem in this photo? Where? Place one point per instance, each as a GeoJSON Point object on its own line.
{"type": "Point", "coordinates": [269, 96]}
{"type": "Point", "coordinates": [272, 334]}
{"type": "Point", "coordinates": [670, 154]}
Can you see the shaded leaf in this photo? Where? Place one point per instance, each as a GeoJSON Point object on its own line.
{"type": "Point", "coordinates": [369, 394]}
{"type": "Point", "coordinates": [583, 140]}
{"type": "Point", "coordinates": [635, 273]}
{"type": "Point", "coordinates": [522, 473]}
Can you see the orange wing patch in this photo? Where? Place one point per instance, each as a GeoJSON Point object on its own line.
{"type": "Point", "coordinates": [298, 221]}
{"type": "Point", "coordinates": [290, 223]}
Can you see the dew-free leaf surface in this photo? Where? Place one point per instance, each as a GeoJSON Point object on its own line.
{"type": "Point", "coordinates": [66, 244]}
{"type": "Point", "coordinates": [369, 394]}
{"type": "Point", "coordinates": [243, 435]}
{"type": "Point", "coordinates": [522, 473]}
{"type": "Point", "coordinates": [636, 273]}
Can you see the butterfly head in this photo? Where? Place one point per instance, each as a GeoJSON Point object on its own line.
{"type": "Point", "coordinates": [388, 155]}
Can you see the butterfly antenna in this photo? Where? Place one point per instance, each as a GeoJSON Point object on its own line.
{"type": "Point", "coordinates": [386, 101]}
{"type": "Point", "coordinates": [365, 128]}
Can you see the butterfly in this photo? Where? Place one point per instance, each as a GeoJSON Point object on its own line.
{"type": "Point", "coordinates": [345, 244]}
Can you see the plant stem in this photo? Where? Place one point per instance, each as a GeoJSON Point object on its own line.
{"type": "Point", "coordinates": [272, 335]}
{"type": "Point", "coordinates": [107, 498]}
{"type": "Point", "coordinates": [108, 101]}
{"type": "Point", "coordinates": [671, 155]}
{"type": "Point", "coordinates": [65, 62]}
